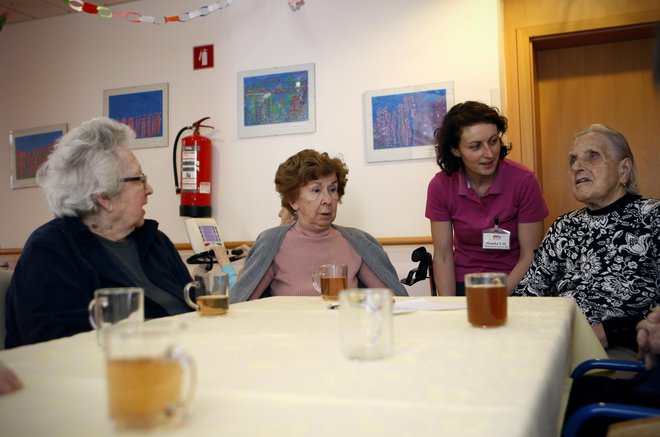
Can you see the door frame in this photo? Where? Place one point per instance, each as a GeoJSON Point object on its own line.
{"type": "Point", "coordinates": [564, 34]}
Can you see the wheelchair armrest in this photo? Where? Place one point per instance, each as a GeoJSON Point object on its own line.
{"type": "Point", "coordinates": [411, 278]}
{"type": "Point", "coordinates": [628, 366]}
{"type": "Point", "coordinates": [614, 411]}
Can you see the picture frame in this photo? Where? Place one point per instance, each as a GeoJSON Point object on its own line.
{"type": "Point", "coordinates": [277, 101]}
{"type": "Point", "coordinates": [400, 122]}
{"type": "Point", "coordinates": [145, 109]}
{"type": "Point", "coordinates": [29, 148]}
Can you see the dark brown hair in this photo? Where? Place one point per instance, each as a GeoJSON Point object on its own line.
{"type": "Point", "coordinates": [448, 136]}
{"type": "Point", "coordinates": [304, 167]}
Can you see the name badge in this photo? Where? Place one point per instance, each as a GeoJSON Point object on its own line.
{"type": "Point", "coordinates": [496, 238]}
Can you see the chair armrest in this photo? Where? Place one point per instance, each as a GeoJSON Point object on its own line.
{"type": "Point", "coordinates": [628, 366]}
{"type": "Point", "coordinates": [614, 411]}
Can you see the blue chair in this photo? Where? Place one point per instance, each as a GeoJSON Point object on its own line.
{"type": "Point", "coordinates": [618, 412]}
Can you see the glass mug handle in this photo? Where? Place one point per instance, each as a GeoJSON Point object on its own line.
{"type": "Point", "coordinates": [189, 370]}
{"type": "Point", "coordinates": [91, 309]}
{"type": "Point", "coordinates": [186, 294]}
{"type": "Point", "coordinates": [316, 281]}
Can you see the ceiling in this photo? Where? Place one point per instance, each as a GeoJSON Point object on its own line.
{"type": "Point", "coordinates": [28, 10]}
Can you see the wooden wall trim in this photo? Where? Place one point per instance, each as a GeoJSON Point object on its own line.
{"type": "Point", "coordinates": [388, 241]}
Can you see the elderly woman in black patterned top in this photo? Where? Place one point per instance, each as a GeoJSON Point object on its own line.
{"type": "Point", "coordinates": [606, 254]}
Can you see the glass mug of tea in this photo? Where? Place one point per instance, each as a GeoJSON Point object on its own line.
{"type": "Point", "coordinates": [210, 291]}
{"type": "Point", "coordinates": [112, 306]}
{"type": "Point", "coordinates": [151, 380]}
{"type": "Point", "coordinates": [486, 298]}
{"type": "Point", "coordinates": [330, 279]}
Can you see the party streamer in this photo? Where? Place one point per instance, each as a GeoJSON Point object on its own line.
{"type": "Point", "coordinates": [135, 17]}
{"type": "Point", "coordinates": [296, 4]}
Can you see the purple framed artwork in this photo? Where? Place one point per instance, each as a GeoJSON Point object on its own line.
{"type": "Point", "coordinates": [29, 149]}
{"type": "Point", "coordinates": [400, 122]}
{"type": "Point", "coordinates": [276, 101]}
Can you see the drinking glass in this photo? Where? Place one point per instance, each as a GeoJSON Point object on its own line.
{"type": "Point", "coordinates": [365, 319]}
{"type": "Point", "coordinates": [486, 298]}
{"type": "Point", "coordinates": [151, 380]}
{"type": "Point", "coordinates": [330, 279]}
{"type": "Point", "coordinates": [210, 292]}
{"type": "Point", "coordinates": [112, 306]}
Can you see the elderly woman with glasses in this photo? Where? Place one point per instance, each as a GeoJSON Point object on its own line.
{"type": "Point", "coordinates": [100, 238]}
{"type": "Point", "coordinates": [282, 260]}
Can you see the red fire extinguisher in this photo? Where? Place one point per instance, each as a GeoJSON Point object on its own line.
{"type": "Point", "coordinates": [196, 180]}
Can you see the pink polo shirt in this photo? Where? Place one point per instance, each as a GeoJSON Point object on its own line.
{"type": "Point", "coordinates": [514, 196]}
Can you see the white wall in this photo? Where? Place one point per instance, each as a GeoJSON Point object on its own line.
{"type": "Point", "coordinates": [55, 70]}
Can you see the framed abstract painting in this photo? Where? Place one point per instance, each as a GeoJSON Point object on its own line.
{"type": "Point", "coordinates": [29, 149]}
{"type": "Point", "coordinates": [276, 101]}
{"type": "Point", "coordinates": [400, 122]}
{"type": "Point", "coordinates": [144, 109]}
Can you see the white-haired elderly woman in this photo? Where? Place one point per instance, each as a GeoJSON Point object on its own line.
{"type": "Point", "coordinates": [605, 255]}
{"type": "Point", "coordinates": [97, 190]}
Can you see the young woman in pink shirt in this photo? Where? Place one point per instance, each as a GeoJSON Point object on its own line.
{"type": "Point", "coordinates": [486, 212]}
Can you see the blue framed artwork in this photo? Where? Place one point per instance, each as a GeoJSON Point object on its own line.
{"type": "Point", "coordinates": [144, 109]}
{"type": "Point", "coordinates": [276, 101]}
{"type": "Point", "coordinates": [29, 149]}
{"type": "Point", "coordinates": [400, 122]}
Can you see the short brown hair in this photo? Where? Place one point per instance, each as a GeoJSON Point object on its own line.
{"type": "Point", "coordinates": [304, 167]}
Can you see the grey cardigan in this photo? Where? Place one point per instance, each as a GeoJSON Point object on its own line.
{"type": "Point", "coordinates": [261, 256]}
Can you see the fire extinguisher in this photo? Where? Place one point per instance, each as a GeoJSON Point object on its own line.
{"type": "Point", "coordinates": [196, 180]}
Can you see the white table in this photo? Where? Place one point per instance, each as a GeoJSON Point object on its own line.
{"type": "Point", "coordinates": [273, 367]}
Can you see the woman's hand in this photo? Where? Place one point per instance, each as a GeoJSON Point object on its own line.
{"type": "Point", "coordinates": [9, 382]}
{"type": "Point", "coordinates": [221, 255]}
{"type": "Point", "coordinates": [648, 338]}
{"type": "Point", "coordinates": [600, 334]}
{"type": "Point", "coordinates": [244, 248]}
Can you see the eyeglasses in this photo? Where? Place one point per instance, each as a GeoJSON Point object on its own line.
{"type": "Point", "coordinates": [142, 178]}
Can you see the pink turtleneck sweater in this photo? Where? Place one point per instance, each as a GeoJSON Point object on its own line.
{"type": "Point", "coordinates": [302, 252]}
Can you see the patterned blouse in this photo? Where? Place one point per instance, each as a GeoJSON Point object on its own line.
{"type": "Point", "coordinates": [607, 260]}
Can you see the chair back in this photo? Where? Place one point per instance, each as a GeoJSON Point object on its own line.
{"type": "Point", "coordinates": [5, 279]}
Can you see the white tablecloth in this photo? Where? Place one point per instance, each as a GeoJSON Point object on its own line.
{"type": "Point", "coordinates": [273, 367]}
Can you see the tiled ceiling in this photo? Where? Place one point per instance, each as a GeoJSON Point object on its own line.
{"type": "Point", "coordinates": [27, 10]}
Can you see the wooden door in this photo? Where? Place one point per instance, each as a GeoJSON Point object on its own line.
{"type": "Point", "coordinates": [608, 83]}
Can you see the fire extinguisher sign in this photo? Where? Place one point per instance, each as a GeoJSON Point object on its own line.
{"type": "Point", "coordinates": [203, 57]}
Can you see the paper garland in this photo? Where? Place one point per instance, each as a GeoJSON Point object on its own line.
{"type": "Point", "coordinates": [296, 4]}
{"type": "Point", "coordinates": [135, 17]}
